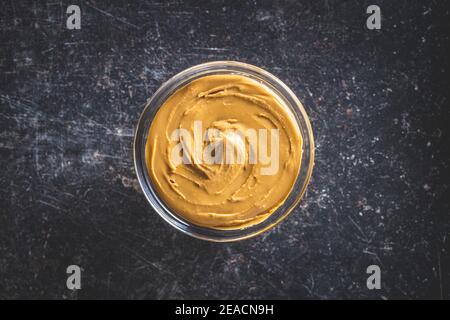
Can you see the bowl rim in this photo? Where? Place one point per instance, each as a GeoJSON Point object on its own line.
{"type": "Point", "coordinates": [140, 138]}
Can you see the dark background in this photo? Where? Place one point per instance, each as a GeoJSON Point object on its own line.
{"type": "Point", "coordinates": [379, 106]}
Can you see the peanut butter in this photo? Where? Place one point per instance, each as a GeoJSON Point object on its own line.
{"type": "Point", "coordinates": [224, 152]}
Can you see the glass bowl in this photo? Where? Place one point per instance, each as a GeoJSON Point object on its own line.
{"type": "Point", "coordinates": [180, 80]}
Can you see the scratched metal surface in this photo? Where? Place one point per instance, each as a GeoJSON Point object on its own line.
{"type": "Point", "coordinates": [379, 105]}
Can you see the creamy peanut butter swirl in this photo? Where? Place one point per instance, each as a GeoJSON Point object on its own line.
{"type": "Point", "coordinates": [226, 180]}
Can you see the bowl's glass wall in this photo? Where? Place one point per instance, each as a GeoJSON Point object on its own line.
{"type": "Point", "coordinates": [180, 80]}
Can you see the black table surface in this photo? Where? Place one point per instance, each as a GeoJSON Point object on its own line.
{"type": "Point", "coordinates": [379, 106]}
